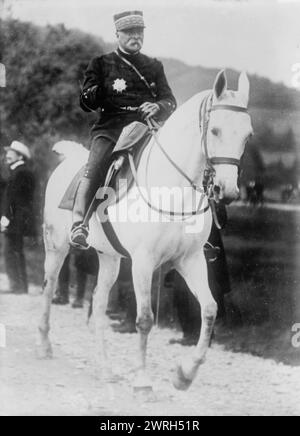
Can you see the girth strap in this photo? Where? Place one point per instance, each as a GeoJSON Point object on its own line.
{"type": "Point", "coordinates": [113, 238]}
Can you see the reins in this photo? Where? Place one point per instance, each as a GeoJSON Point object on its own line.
{"type": "Point", "coordinates": [209, 173]}
{"type": "Point", "coordinates": [153, 127]}
{"type": "Point", "coordinates": [173, 214]}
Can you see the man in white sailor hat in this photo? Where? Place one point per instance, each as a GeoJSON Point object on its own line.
{"type": "Point", "coordinates": [18, 218]}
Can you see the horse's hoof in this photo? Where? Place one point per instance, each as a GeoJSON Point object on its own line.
{"type": "Point", "coordinates": [180, 382]}
{"type": "Point", "coordinates": [144, 394]}
{"type": "Point", "coordinates": [44, 353]}
{"type": "Point", "coordinates": [142, 383]}
{"type": "Point", "coordinates": [143, 389]}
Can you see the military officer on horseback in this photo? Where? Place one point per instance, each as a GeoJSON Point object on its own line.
{"type": "Point", "coordinates": [123, 86]}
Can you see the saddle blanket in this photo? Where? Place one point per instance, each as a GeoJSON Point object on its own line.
{"type": "Point", "coordinates": [133, 139]}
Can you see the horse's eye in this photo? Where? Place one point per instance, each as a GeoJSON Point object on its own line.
{"type": "Point", "coordinates": [215, 131]}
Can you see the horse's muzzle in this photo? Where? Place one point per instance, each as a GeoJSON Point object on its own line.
{"type": "Point", "coordinates": [225, 195]}
{"type": "Point", "coordinates": [225, 183]}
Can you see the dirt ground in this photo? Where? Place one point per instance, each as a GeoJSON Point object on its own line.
{"type": "Point", "coordinates": [227, 384]}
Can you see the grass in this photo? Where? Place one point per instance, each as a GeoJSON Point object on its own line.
{"type": "Point", "coordinates": [263, 249]}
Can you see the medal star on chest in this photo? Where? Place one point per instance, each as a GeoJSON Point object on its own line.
{"type": "Point", "coordinates": [119, 85]}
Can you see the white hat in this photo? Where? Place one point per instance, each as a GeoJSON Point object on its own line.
{"type": "Point", "coordinates": [20, 148]}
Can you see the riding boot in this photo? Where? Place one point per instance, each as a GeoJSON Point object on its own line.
{"type": "Point", "coordinates": [79, 231]}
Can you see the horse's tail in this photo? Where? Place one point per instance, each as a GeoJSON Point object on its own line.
{"type": "Point", "coordinates": [69, 149]}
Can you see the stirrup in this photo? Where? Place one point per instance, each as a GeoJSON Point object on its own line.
{"type": "Point", "coordinates": [79, 231]}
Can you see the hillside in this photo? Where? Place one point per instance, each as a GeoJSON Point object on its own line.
{"type": "Point", "coordinates": [187, 80]}
{"type": "Point", "coordinates": [275, 114]}
{"type": "Point", "coordinates": [45, 67]}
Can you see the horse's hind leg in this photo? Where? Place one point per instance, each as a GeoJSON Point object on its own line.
{"type": "Point", "coordinates": [108, 273]}
{"type": "Point", "coordinates": [53, 262]}
{"type": "Point", "coordinates": [194, 271]}
{"type": "Point", "coordinates": [142, 271]}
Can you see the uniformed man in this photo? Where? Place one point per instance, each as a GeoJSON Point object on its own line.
{"type": "Point", "coordinates": [123, 86]}
{"type": "Point", "coordinates": [18, 218]}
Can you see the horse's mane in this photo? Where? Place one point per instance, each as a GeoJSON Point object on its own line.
{"type": "Point", "coordinates": [69, 149]}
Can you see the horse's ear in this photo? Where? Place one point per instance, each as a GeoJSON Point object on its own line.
{"type": "Point", "coordinates": [244, 87]}
{"type": "Point", "coordinates": [220, 84]}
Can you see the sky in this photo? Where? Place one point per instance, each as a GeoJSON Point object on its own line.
{"type": "Point", "coordinates": [261, 37]}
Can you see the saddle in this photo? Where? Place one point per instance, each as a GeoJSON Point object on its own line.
{"type": "Point", "coordinates": [133, 139]}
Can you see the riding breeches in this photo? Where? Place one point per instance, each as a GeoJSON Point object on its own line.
{"type": "Point", "coordinates": [94, 176]}
{"type": "Point", "coordinates": [99, 159]}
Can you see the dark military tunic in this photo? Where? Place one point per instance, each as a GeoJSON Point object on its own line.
{"type": "Point", "coordinates": [18, 201]}
{"type": "Point", "coordinates": [18, 208]}
{"type": "Point", "coordinates": [113, 89]}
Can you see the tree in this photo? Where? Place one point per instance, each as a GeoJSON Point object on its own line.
{"type": "Point", "coordinates": [40, 104]}
{"type": "Point", "coordinates": [44, 69]}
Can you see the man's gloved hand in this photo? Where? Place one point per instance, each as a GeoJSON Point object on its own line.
{"type": "Point", "coordinates": [147, 110]}
{"type": "Point", "coordinates": [4, 223]}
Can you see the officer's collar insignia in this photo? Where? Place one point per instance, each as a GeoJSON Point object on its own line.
{"type": "Point", "coordinates": [119, 85]}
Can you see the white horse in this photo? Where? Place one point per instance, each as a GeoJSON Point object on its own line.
{"type": "Point", "coordinates": [211, 129]}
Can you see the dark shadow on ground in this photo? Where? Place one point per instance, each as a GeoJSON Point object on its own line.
{"type": "Point", "coordinates": [263, 249]}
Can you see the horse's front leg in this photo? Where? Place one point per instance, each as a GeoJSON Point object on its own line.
{"type": "Point", "coordinates": [53, 262]}
{"type": "Point", "coordinates": [108, 273]}
{"type": "Point", "coordinates": [194, 270]}
{"type": "Point", "coordinates": [142, 271]}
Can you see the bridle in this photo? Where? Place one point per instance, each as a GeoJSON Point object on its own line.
{"type": "Point", "coordinates": [222, 160]}
{"type": "Point", "coordinates": [209, 172]}
{"type": "Point", "coordinates": [207, 187]}
{"type": "Point", "coordinates": [204, 116]}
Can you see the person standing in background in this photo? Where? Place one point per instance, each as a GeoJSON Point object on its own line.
{"type": "Point", "coordinates": [18, 219]}
{"type": "Point", "coordinates": [86, 263]}
{"type": "Point", "coordinates": [2, 188]}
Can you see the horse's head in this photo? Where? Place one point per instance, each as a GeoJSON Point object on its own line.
{"type": "Point", "coordinates": [229, 128]}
